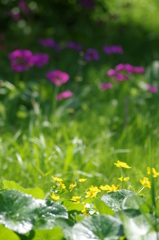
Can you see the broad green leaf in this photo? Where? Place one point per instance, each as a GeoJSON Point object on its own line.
{"type": "Point", "coordinates": [71, 206]}
{"type": "Point", "coordinates": [53, 234]}
{"type": "Point", "coordinates": [35, 192]}
{"type": "Point", "coordinates": [47, 212]}
{"type": "Point", "coordinates": [66, 226]}
{"type": "Point", "coordinates": [135, 227]}
{"type": "Point", "coordinates": [17, 211]}
{"type": "Point", "coordinates": [114, 200]}
{"type": "Point", "coordinates": [150, 236]}
{"type": "Point", "coordinates": [102, 207]}
{"type": "Point", "coordinates": [97, 228]}
{"type": "Point", "coordinates": [6, 234]}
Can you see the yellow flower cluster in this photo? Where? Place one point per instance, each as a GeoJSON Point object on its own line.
{"type": "Point", "coordinates": [154, 173]}
{"type": "Point", "coordinates": [120, 164]}
{"type": "Point", "coordinates": [109, 188]}
{"type": "Point", "coordinates": [92, 192]}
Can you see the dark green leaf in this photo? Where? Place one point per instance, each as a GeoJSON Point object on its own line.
{"type": "Point", "coordinates": [47, 212]}
{"type": "Point", "coordinates": [17, 211]}
{"type": "Point", "coordinates": [98, 227]}
{"type": "Point", "coordinates": [114, 200]}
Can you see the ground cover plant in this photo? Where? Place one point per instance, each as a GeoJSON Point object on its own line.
{"type": "Point", "coordinates": [78, 120]}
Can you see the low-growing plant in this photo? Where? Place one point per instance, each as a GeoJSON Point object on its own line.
{"type": "Point", "coordinates": [75, 212]}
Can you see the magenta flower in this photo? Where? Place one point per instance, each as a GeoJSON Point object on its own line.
{"type": "Point", "coordinates": [48, 42]}
{"type": "Point", "coordinates": [58, 77]}
{"type": "Point", "coordinates": [129, 68]}
{"type": "Point", "coordinates": [65, 94]}
{"type": "Point", "coordinates": [111, 73]}
{"type": "Point", "coordinates": [16, 16]}
{"type": "Point", "coordinates": [105, 86]}
{"type": "Point", "coordinates": [75, 46]}
{"type": "Point", "coordinates": [40, 59]}
{"type": "Point", "coordinates": [91, 54]}
{"type": "Point", "coordinates": [21, 60]}
{"type": "Point", "coordinates": [120, 77]}
{"type": "Point", "coordinates": [139, 70]}
{"type": "Point", "coordinates": [152, 89]}
{"type": "Point", "coordinates": [120, 67]}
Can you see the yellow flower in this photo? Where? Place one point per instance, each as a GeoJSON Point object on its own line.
{"type": "Point", "coordinates": [62, 185]}
{"type": "Point", "coordinates": [122, 179]}
{"type": "Point", "coordinates": [56, 179]}
{"type": "Point", "coordinates": [154, 173]}
{"type": "Point", "coordinates": [145, 182]}
{"type": "Point", "coordinates": [120, 164]}
{"type": "Point", "coordinates": [72, 186]}
{"type": "Point", "coordinates": [75, 198]}
{"type": "Point", "coordinates": [82, 179]}
{"type": "Point", "coordinates": [114, 188]}
{"type": "Point", "coordinates": [55, 197]}
{"type": "Point", "coordinates": [84, 210]}
{"type": "Point", "coordinates": [105, 188]}
{"type": "Point", "coordinates": [92, 192]}
{"type": "Point", "coordinates": [126, 179]}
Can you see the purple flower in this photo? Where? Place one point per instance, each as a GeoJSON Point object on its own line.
{"type": "Point", "coordinates": [120, 77]}
{"type": "Point", "coordinates": [21, 60]}
{"type": "Point", "coordinates": [105, 86]}
{"type": "Point", "coordinates": [87, 3]}
{"type": "Point", "coordinates": [152, 89]}
{"type": "Point", "coordinates": [75, 46]}
{"type": "Point", "coordinates": [40, 59]}
{"type": "Point", "coordinates": [65, 94]}
{"type": "Point", "coordinates": [48, 42]}
{"type": "Point", "coordinates": [24, 7]}
{"type": "Point", "coordinates": [16, 16]}
{"type": "Point", "coordinates": [111, 73]}
{"type": "Point", "coordinates": [91, 54]}
{"type": "Point", "coordinates": [112, 49]}
{"type": "Point", "coordinates": [129, 68]}
{"type": "Point", "coordinates": [139, 70]}
{"type": "Point", "coordinates": [58, 77]}
{"type": "Point", "coordinates": [1, 36]}
{"type": "Point", "coordinates": [120, 67]}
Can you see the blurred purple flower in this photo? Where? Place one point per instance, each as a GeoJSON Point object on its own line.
{"type": "Point", "coordinates": [40, 59]}
{"type": "Point", "coordinates": [57, 77]}
{"type": "Point", "coordinates": [105, 86]}
{"type": "Point", "coordinates": [74, 45]}
{"type": "Point", "coordinates": [120, 77]}
{"type": "Point", "coordinates": [91, 54]}
{"type": "Point", "coordinates": [112, 49]}
{"type": "Point", "coordinates": [139, 70]}
{"type": "Point", "coordinates": [1, 36]}
{"type": "Point", "coordinates": [21, 60]}
{"type": "Point", "coordinates": [24, 7]}
{"type": "Point", "coordinates": [152, 89]}
{"type": "Point", "coordinates": [120, 67]}
{"type": "Point", "coordinates": [111, 73]}
{"type": "Point", "coordinates": [49, 42]}
{"type": "Point", "coordinates": [87, 3]}
{"type": "Point", "coordinates": [65, 94]}
{"type": "Point", "coordinates": [129, 68]}
{"type": "Point", "coordinates": [16, 16]}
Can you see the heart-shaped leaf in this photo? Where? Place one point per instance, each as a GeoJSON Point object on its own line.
{"type": "Point", "coordinates": [97, 228]}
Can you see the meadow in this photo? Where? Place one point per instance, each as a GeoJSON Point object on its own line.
{"type": "Point", "coordinates": [79, 120]}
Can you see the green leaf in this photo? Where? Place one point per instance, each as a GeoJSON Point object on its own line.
{"type": "Point", "coordinates": [54, 234]}
{"type": "Point", "coordinates": [17, 211]}
{"type": "Point", "coordinates": [35, 192]}
{"type": "Point", "coordinates": [135, 227]}
{"type": "Point", "coordinates": [102, 207]}
{"type": "Point", "coordinates": [47, 212]}
{"type": "Point", "coordinates": [114, 200]}
{"type": "Point", "coordinates": [71, 206]}
{"type": "Point", "coordinates": [98, 227]}
{"type": "Point", "coordinates": [66, 226]}
{"type": "Point", "coordinates": [7, 234]}
{"type": "Point", "coordinates": [150, 236]}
